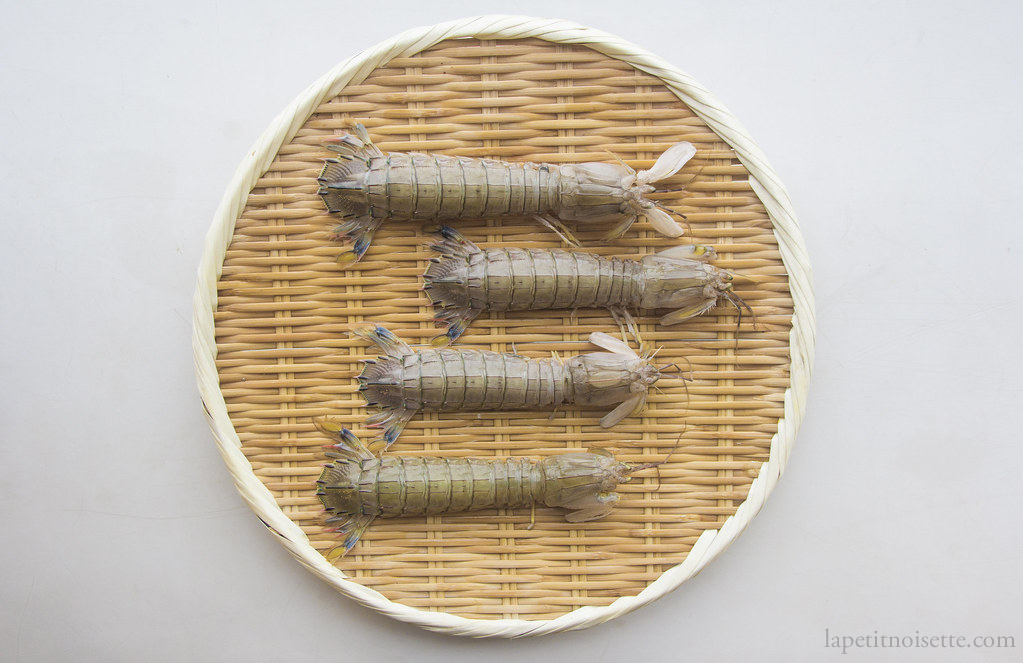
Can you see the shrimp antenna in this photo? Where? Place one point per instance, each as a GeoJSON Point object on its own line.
{"type": "Point", "coordinates": [619, 160]}
{"type": "Point", "coordinates": [743, 277]}
{"type": "Point", "coordinates": [694, 176]}
{"type": "Point", "coordinates": [688, 182]}
{"type": "Point", "coordinates": [667, 209]}
{"type": "Point", "coordinates": [647, 466]}
{"type": "Point", "coordinates": [681, 377]}
{"type": "Point", "coordinates": [678, 369]}
{"type": "Point", "coordinates": [653, 353]}
{"type": "Point", "coordinates": [739, 303]}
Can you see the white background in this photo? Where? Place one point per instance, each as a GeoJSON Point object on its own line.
{"type": "Point", "coordinates": [896, 128]}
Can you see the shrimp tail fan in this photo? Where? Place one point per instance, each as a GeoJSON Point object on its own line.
{"type": "Point", "coordinates": [338, 487]}
{"type": "Point", "coordinates": [446, 282]}
{"type": "Point", "coordinates": [380, 381]}
{"type": "Point", "coordinates": [343, 189]}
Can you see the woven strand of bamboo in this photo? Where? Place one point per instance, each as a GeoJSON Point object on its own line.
{"type": "Point", "coordinates": [740, 420]}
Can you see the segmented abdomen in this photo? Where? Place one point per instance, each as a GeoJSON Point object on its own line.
{"type": "Point", "coordinates": [509, 279]}
{"type": "Point", "coordinates": [454, 380]}
{"type": "Point", "coordinates": [424, 186]}
{"type": "Point", "coordinates": [395, 486]}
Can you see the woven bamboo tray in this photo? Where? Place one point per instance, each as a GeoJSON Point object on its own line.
{"type": "Point", "coordinates": [273, 309]}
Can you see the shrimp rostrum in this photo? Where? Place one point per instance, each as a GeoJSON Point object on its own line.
{"type": "Point", "coordinates": [365, 186]}
{"type": "Point", "coordinates": [403, 381]}
{"type": "Point", "coordinates": [466, 280]}
{"type": "Point", "coordinates": [358, 487]}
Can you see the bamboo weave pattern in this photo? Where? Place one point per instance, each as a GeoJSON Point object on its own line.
{"type": "Point", "coordinates": [284, 307]}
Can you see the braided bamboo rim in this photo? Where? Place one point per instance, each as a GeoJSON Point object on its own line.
{"type": "Point", "coordinates": [764, 182]}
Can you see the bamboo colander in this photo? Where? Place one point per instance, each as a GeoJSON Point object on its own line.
{"type": "Point", "coordinates": [273, 309]}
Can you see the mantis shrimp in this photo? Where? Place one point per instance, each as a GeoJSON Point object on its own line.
{"type": "Point", "coordinates": [365, 186]}
{"type": "Point", "coordinates": [445, 379]}
{"type": "Point", "coordinates": [358, 487]}
{"type": "Point", "coordinates": [466, 280]}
